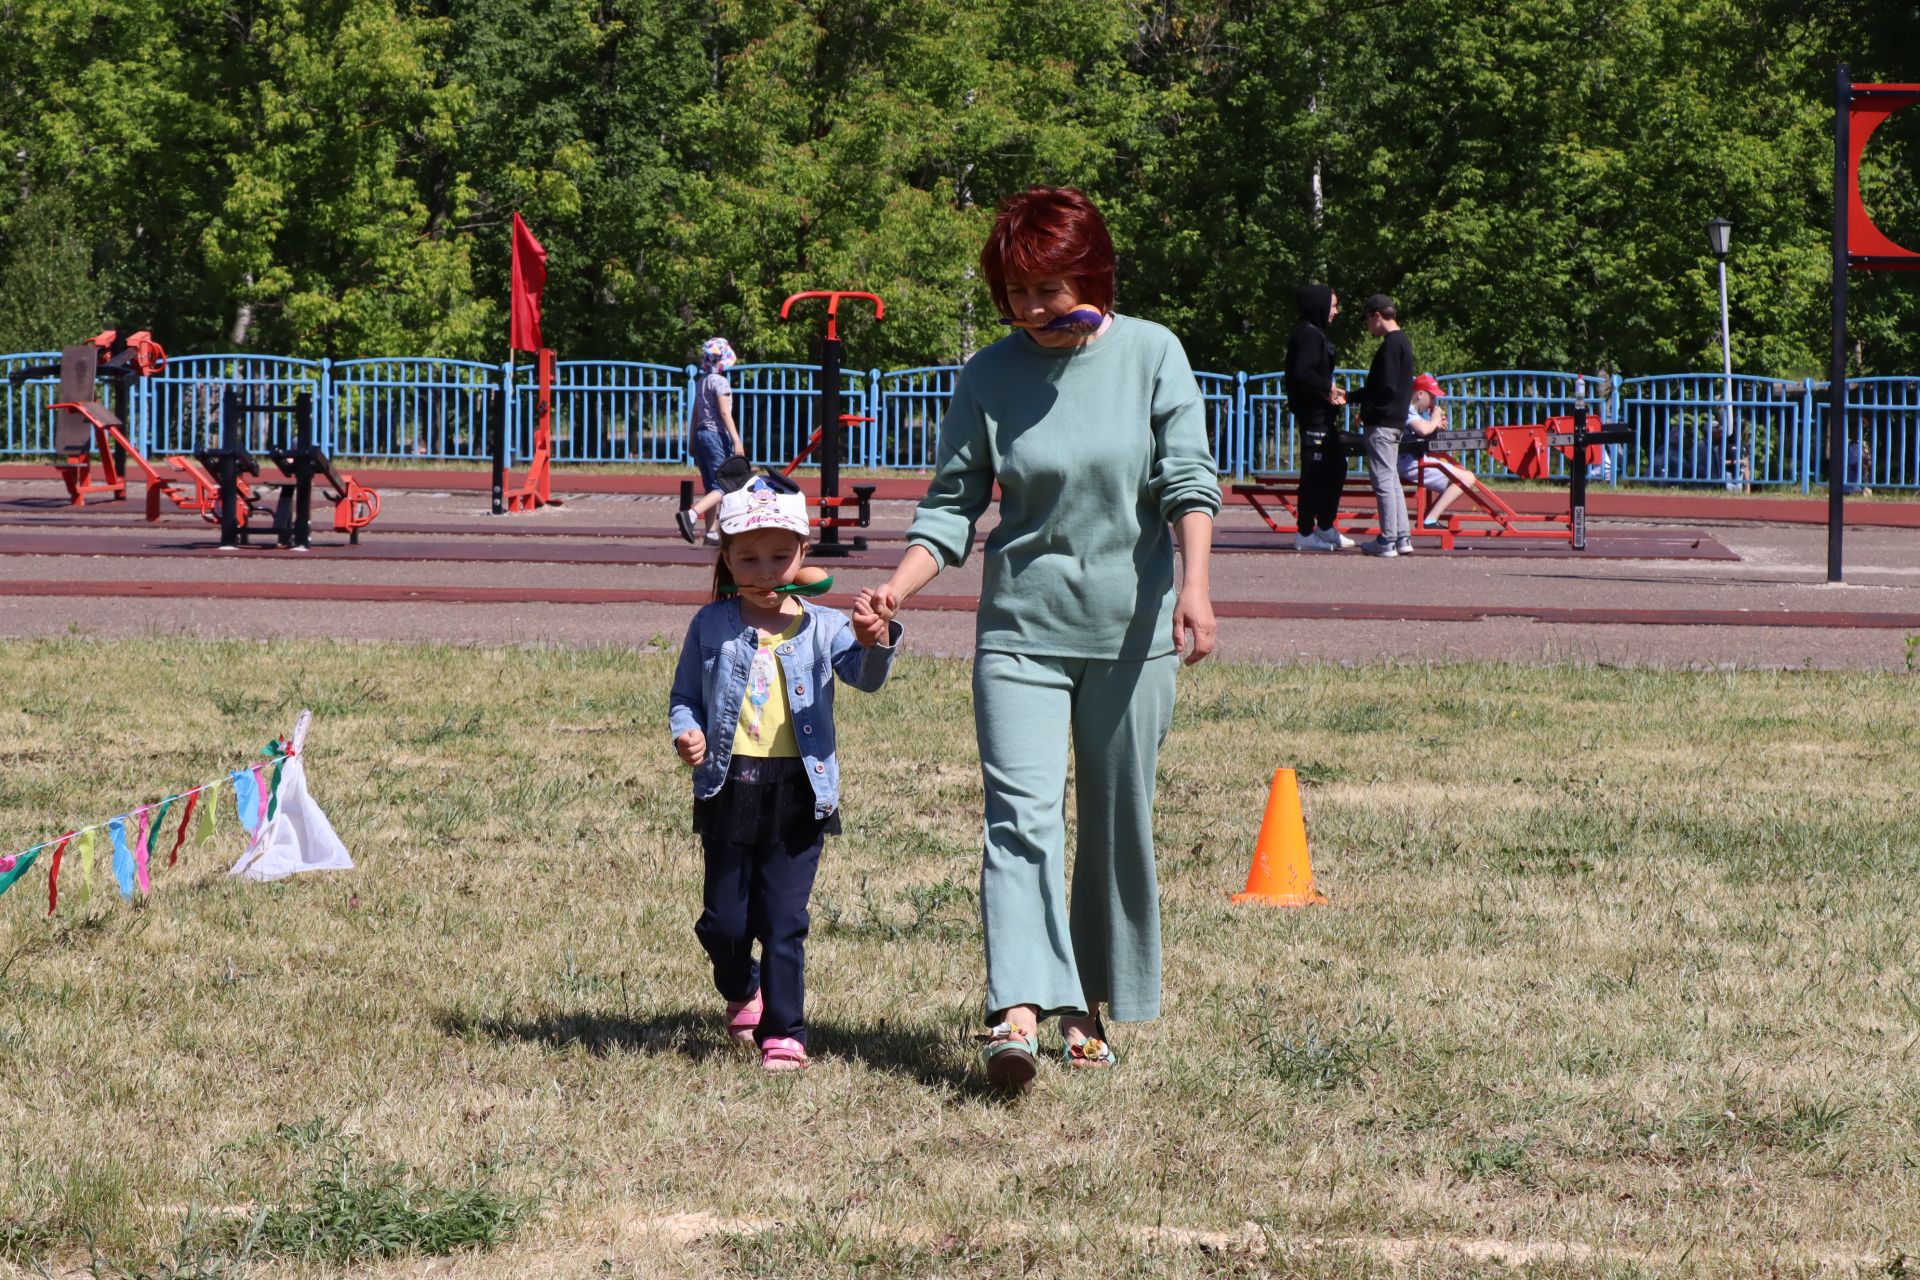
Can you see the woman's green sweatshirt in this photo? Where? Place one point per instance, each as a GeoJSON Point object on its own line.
{"type": "Point", "coordinates": [1097, 450]}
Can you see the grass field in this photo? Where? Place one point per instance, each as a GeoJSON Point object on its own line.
{"type": "Point", "coordinates": [1618, 980]}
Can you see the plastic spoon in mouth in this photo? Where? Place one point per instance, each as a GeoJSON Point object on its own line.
{"type": "Point", "coordinates": [815, 587]}
{"type": "Point", "coordinates": [1078, 320]}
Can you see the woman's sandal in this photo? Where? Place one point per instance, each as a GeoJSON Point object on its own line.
{"type": "Point", "coordinates": [1011, 1058]}
{"type": "Point", "coordinates": [1090, 1052]}
{"type": "Point", "coordinates": [780, 1053]}
{"type": "Point", "coordinates": [742, 1017]}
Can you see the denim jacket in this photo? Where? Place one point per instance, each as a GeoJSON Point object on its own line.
{"type": "Point", "coordinates": [711, 680]}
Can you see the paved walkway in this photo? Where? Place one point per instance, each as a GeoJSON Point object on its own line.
{"type": "Point", "coordinates": [604, 569]}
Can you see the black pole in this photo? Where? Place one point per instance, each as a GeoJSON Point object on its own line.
{"type": "Point", "coordinates": [1837, 369]}
{"type": "Point", "coordinates": [303, 470]}
{"type": "Point", "coordinates": [231, 414]}
{"type": "Point", "coordinates": [497, 413]}
{"type": "Point", "coordinates": [1577, 477]}
{"type": "Point", "coordinates": [122, 399]}
{"type": "Point", "coordinates": [829, 439]}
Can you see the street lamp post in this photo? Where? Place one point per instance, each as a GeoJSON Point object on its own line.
{"type": "Point", "coordinates": [1719, 235]}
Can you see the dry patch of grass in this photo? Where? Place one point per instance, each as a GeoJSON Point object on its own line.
{"type": "Point", "coordinates": [1618, 980]}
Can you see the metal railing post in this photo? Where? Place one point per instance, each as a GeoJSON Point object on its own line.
{"type": "Point", "coordinates": [1239, 435]}
{"type": "Point", "coordinates": [685, 445]}
{"type": "Point", "coordinates": [329, 412]}
{"type": "Point", "coordinates": [1616, 418]}
{"type": "Point", "coordinates": [509, 413]}
{"type": "Point", "coordinates": [1809, 427]}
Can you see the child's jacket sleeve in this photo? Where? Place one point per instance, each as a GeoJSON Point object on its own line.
{"type": "Point", "coordinates": [864, 668]}
{"type": "Point", "coordinates": [686, 705]}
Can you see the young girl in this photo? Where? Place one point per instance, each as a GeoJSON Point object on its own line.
{"type": "Point", "coordinates": [1440, 476]}
{"type": "Point", "coordinates": [713, 438]}
{"type": "Point", "coordinates": [752, 712]}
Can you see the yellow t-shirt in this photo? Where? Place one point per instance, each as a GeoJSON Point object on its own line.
{"type": "Point", "coordinates": [766, 723]}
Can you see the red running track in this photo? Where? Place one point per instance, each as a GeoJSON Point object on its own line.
{"type": "Point", "coordinates": [633, 548]}
{"type": "Point", "coordinates": [383, 593]}
{"type": "Point", "coordinates": [1679, 505]}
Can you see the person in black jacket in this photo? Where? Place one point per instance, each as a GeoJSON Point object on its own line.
{"type": "Point", "coordinates": [1383, 412]}
{"type": "Point", "coordinates": [1315, 401]}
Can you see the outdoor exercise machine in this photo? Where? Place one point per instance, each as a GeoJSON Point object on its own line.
{"type": "Point", "coordinates": [1524, 449]}
{"type": "Point", "coordinates": [1858, 245]}
{"type": "Point", "coordinates": [82, 424]}
{"type": "Point", "coordinates": [227, 466]}
{"type": "Point", "coordinates": [828, 440]}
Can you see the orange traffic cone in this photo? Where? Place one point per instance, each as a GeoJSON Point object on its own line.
{"type": "Point", "coordinates": [1282, 874]}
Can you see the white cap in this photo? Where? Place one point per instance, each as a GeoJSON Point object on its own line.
{"type": "Point", "coordinates": [761, 506]}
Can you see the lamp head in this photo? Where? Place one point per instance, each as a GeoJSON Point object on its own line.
{"type": "Point", "coordinates": [1719, 235]}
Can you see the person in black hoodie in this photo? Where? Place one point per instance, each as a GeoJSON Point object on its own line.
{"type": "Point", "coordinates": [1315, 399]}
{"type": "Point", "coordinates": [1383, 411]}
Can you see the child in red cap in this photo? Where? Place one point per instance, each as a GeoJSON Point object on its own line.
{"type": "Point", "coordinates": [1438, 475]}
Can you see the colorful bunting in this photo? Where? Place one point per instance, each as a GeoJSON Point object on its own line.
{"type": "Point", "coordinates": [263, 793]}
{"type": "Point", "coordinates": [246, 798]}
{"type": "Point", "coordinates": [86, 866]}
{"type": "Point", "coordinates": [159, 836]}
{"type": "Point", "coordinates": [122, 856]}
{"type": "Point", "coordinates": [209, 819]}
{"type": "Point", "coordinates": [13, 866]}
{"type": "Point", "coordinates": [140, 877]}
{"type": "Point", "coordinates": [53, 874]}
{"type": "Point", "coordinates": [136, 836]}
{"type": "Point", "coordinates": [186, 820]}
{"type": "Point", "coordinates": [277, 750]}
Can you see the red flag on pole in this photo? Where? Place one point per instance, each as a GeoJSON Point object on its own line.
{"type": "Point", "coordinates": [529, 278]}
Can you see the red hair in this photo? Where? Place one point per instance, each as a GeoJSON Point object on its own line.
{"type": "Point", "coordinates": [1050, 231]}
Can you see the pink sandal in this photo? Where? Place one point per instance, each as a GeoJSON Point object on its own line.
{"type": "Point", "coordinates": [742, 1017]}
{"type": "Point", "coordinates": [781, 1053]}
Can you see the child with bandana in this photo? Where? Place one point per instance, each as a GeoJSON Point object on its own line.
{"type": "Point", "coordinates": [713, 439]}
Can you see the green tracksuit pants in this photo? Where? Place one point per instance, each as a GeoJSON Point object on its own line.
{"type": "Point", "coordinates": [1102, 942]}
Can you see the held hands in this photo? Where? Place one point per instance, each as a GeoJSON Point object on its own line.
{"type": "Point", "coordinates": [692, 746]}
{"type": "Point", "coordinates": [1336, 395]}
{"type": "Point", "coordinates": [873, 609]}
{"type": "Point", "coordinates": [1193, 621]}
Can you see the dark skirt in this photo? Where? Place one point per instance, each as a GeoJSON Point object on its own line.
{"type": "Point", "coordinates": [761, 800]}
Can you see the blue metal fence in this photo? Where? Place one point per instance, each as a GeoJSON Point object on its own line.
{"type": "Point", "coordinates": [1686, 428]}
{"type": "Point", "coordinates": [411, 408]}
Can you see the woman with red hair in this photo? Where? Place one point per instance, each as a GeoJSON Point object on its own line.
{"type": "Point", "coordinates": [1092, 426]}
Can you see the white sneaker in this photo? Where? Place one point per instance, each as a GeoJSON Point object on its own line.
{"type": "Point", "coordinates": [1311, 542]}
{"type": "Point", "coordinates": [1339, 541]}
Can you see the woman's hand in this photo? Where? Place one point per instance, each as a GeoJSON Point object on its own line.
{"type": "Point", "coordinates": [872, 611]}
{"type": "Point", "coordinates": [692, 746]}
{"type": "Point", "coordinates": [1193, 621]}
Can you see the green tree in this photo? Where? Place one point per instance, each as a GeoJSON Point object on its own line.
{"type": "Point", "coordinates": [49, 294]}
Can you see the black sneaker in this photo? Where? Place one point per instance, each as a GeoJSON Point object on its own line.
{"type": "Point", "coordinates": [684, 519]}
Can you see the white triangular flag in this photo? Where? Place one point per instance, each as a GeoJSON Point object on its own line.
{"type": "Point", "coordinates": [298, 837]}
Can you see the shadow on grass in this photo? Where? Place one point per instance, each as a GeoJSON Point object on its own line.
{"type": "Point", "coordinates": [695, 1035]}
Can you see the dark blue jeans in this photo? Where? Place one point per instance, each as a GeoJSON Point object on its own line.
{"type": "Point", "coordinates": [757, 890]}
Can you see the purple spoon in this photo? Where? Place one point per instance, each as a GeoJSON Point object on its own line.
{"type": "Point", "coordinates": [1078, 320]}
